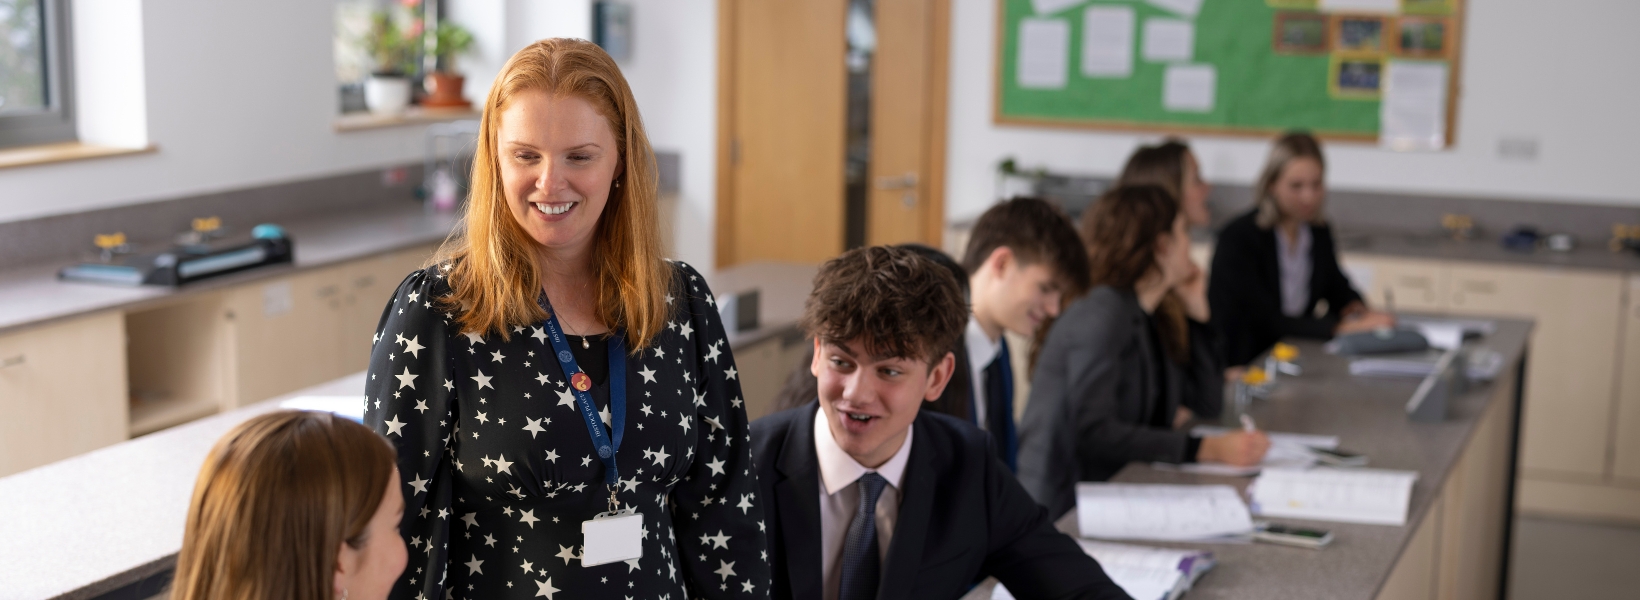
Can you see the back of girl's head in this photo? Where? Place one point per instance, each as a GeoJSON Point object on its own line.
{"type": "Point", "coordinates": [1162, 164]}
{"type": "Point", "coordinates": [1121, 229]}
{"type": "Point", "coordinates": [274, 502]}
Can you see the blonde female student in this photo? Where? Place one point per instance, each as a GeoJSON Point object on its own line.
{"type": "Point", "coordinates": [293, 505]}
{"type": "Point", "coordinates": [1275, 270]}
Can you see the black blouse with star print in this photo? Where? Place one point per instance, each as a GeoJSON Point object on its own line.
{"type": "Point", "coordinates": [499, 471]}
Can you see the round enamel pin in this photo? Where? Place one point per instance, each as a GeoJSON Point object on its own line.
{"type": "Point", "coordinates": [581, 382]}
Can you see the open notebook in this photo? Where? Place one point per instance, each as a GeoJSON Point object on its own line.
{"type": "Point", "coordinates": [1143, 572]}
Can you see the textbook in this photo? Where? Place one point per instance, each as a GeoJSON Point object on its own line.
{"type": "Point", "coordinates": [1373, 496]}
{"type": "Point", "coordinates": [1145, 573]}
{"type": "Point", "coordinates": [1132, 511]}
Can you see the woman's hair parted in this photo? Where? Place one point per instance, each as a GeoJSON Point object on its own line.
{"type": "Point", "coordinates": [275, 500]}
{"type": "Point", "coordinates": [898, 303]}
{"type": "Point", "coordinates": [1288, 147]}
{"type": "Point", "coordinates": [493, 276]}
{"type": "Point", "coordinates": [1162, 164]}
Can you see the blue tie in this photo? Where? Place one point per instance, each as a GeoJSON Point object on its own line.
{"type": "Point", "coordinates": [999, 406]}
{"type": "Point", "coordinates": [861, 566]}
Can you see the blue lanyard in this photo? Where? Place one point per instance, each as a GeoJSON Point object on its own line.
{"type": "Point", "coordinates": [583, 397]}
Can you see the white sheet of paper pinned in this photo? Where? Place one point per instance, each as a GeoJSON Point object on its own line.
{"type": "Point", "coordinates": [1382, 6]}
{"type": "Point", "coordinates": [1412, 115]}
{"type": "Point", "coordinates": [1044, 53]}
{"type": "Point", "coordinates": [1170, 40]}
{"type": "Point", "coordinates": [1189, 88]}
{"type": "Point", "coordinates": [1047, 7]}
{"type": "Point", "coordinates": [1374, 496]}
{"type": "Point", "coordinates": [1184, 8]}
{"type": "Point", "coordinates": [611, 539]}
{"type": "Point", "coordinates": [1107, 41]}
{"type": "Point", "coordinates": [1124, 511]}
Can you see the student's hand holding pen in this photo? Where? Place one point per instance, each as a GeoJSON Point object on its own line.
{"type": "Point", "coordinates": [1243, 448]}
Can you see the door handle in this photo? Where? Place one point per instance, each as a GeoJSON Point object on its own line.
{"type": "Point", "coordinates": [907, 181]}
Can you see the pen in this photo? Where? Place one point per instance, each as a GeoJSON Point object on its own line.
{"type": "Point", "coordinates": [1247, 423]}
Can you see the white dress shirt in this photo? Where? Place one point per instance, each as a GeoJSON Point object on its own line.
{"type": "Point", "coordinates": [981, 351]}
{"type": "Point", "coordinates": [1294, 259]}
{"type": "Point", "coordinates": [840, 500]}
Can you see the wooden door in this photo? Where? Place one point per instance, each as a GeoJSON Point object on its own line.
{"type": "Point", "coordinates": [780, 140]}
{"type": "Point", "coordinates": [783, 88]}
{"type": "Point", "coordinates": [908, 123]}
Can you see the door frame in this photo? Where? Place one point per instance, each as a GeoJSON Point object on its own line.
{"type": "Point", "coordinates": [935, 146]}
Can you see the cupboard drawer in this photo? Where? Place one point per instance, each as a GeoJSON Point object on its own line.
{"type": "Point", "coordinates": [1416, 285]}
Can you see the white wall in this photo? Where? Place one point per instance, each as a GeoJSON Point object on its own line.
{"type": "Point", "coordinates": [1561, 73]}
{"type": "Point", "coordinates": [237, 94]}
{"type": "Point", "coordinates": [673, 72]}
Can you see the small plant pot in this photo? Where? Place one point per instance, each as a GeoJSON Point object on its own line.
{"type": "Point", "coordinates": [387, 94]}
{"type": "Point", "coordinates": [444, 91]}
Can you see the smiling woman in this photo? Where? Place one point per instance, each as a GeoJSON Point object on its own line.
{"type": "Point", "coordinates": [532, 315]}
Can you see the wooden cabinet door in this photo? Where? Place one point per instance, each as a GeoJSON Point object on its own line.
{"type": "Point", "coordinates": [1415, 285]}
{"type": "Point", "coordinates": [1569, 380]}
{"type": "Point", "coordinates": [368, 285]}
{"type": "Point", "coordinates": [1626, 459]}
{"type": "Point", "coordinates": [287, 333]}
{"type": "Point", "coordinates": [62, 390]}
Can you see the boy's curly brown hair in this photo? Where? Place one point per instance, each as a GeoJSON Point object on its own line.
{"type": "Point", "coordinates": [898, 303]}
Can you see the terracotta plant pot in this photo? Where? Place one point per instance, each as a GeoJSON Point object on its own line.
{"type": "Point", "coordinates": [444, 91]}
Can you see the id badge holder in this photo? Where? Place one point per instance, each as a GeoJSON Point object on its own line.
{"type": "Point", "coordinates": [612, 537]}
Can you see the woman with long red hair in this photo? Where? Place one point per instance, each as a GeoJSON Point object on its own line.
{"type": "Point", "coordinates": [567, 413]}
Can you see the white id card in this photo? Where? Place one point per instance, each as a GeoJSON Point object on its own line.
{"type": "Point", "coordinates": [611, 537]}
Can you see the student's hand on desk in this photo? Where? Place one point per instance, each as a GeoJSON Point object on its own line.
{"type": "Point", "coordinates": [1193, 291]}
{"type": "Point", "coordinates": [1365, 321]}
{"type": "Point", "coordinates": [1240, 448]}
{"type": "Point", "coordinates": [1182, 416]}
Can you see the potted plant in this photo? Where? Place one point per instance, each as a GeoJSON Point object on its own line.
{"type": "Point", "coordinates": [444, 84]}
{"type": "Point", "coordinates": [392, 48]}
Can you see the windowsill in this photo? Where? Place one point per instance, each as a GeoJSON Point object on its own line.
{"type": "Point", "coordinates": [63, 152]}
{"type": "Point", "coordinates": [412, 116]}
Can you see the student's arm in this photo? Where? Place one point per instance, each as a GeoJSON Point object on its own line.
{"type": "Point", "coordinates": [1028, 555]}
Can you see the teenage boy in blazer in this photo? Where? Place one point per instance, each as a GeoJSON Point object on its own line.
{"type": "Point", "coordinates": [865, 495]}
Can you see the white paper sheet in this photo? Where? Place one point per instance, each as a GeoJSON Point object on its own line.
{"type": "Point", "coordinates": [1184, 8]}
{"type": "Point", "coordinates": [1046, 7]}
{"type": "Point", "coordinates": [1160, 512]}
{"type": "Point", "coordinates": [1044, 51]}
{"type": "Point", "coordinates": [351, 407]}
{"type": "Point", "coordinates": [1373, 496]}
{"type": "Point", "coordinates": [1190, 88]}
{"type": "Point", "coordinates": [1287, 450]}
{"type": "Point", "coordinates": [1412, 115]}
{"type": "Point", "coordinates": [1145, 573]}
{"type": "Point", "coordinates": [1382, 6]}
{"type": "Point", "coordinates": [1170, 40]}
{"type": "Point", "coordinates": [1107, 41]}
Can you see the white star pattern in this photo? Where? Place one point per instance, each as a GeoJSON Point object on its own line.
{"type": "Point", "coordinates": [534, 427]}
{"type": "Point", "coordinates": [483, 380]}
{"type": "Point", "coordinates": [544, 588]}
{"type": "Point", "coordinates": [406, 380]}
{"type": "Point", "coordinates": [393, 426]}
{"type": "Point", "coordinates": [412, 348]}
{"type": "Point", "coordinates": [648, 375]}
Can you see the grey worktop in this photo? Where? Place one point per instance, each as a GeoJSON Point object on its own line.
{"type": "Point", "coordinates": [1367, 414]}
{"type": "Point", "coordinates": [1436, 247]}
{"type": "Point", "coordinates": [90, 524]}
{"type": "Point", "coordinates": [33, 295]}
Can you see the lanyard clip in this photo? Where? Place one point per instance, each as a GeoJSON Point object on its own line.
{"type": "Point", "coordinates": [614, 505]}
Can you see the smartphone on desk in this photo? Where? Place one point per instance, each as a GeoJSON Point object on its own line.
{"type": "Point", "coordinates": [1339, 458]}
{"type": "Point", "coordinates": [1276, 533]}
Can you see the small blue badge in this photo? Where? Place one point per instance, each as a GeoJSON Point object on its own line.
{"type": "Point", "coordinates": [603, 451]}
{"type": "Point", "coordinates": [564, 355]}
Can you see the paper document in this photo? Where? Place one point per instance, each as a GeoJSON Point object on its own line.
{"type": "Point", "coordinates": [1412, 115]}
{"type": "Point", "coordinates": [1047, 7]}
{"type": "Point", "coordinates": [351, 407]}
{"type": "Point", "coordinates": [1107, 41]}
{"type": "Point", "coordinates": [1170, 40]}
{"type": "Point", "coordinates": [1184, 8]}
{"type": "Point", "coordinates": [1044, 53]}
{"type": "Point", "coordinates": [1287, 450]}
{"type": "Point", "coordinates": [1143, 572]}
{"type": "Point", "coordinates": [1127, 511]}
{"type": "Point", "coordinates": [1189, 88]}
{"type": "Point", "coordinates": [1470, 327]}
{"type": "Point", "coordinates": [1382, 6]}
{"type": "Point", "coordinates": [1372, 496]}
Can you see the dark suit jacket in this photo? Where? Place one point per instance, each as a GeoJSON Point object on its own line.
{"type": "Point", "coordinates": [1245, 289]}
{"type": "Point", "coordinates": [1095, 391]}
{"type": "Point", "coordinates": [962, 517]}
{"type": "Point", "coordinates": [801, 387]}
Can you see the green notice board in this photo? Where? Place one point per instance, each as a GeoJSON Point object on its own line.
{"type": "Point", "coordinates": [1223, 69]}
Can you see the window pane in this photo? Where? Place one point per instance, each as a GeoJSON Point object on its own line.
{"type": "Point", "coordinates": [22, 57]}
